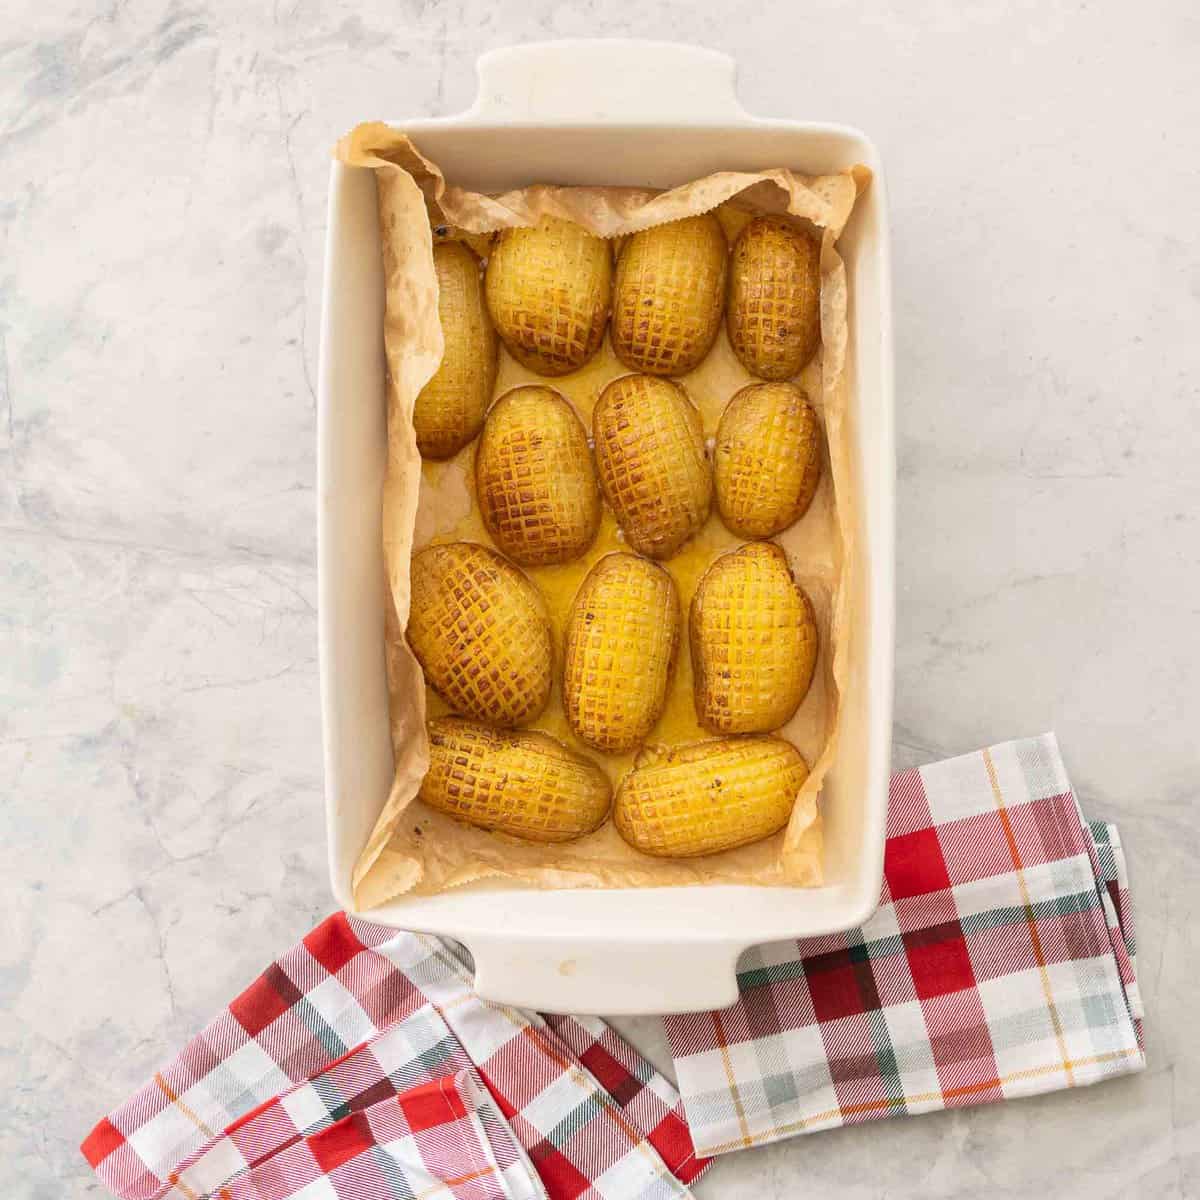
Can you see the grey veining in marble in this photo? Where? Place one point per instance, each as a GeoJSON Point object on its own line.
{"type": "Point", "coordinates": [163, 169]}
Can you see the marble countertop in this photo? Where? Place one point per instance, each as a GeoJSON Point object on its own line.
{"type": "Point", "coordinates": [162, 215]}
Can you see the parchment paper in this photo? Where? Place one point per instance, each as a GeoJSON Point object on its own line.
{"type": "Point", "coordinates": [414, 848]}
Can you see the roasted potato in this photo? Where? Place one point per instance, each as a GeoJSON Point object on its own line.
{"type": "Point", "coordinates": [754, 641]}
{"type": "Point", "coordinates": [534, 479]}
{"type": "Point", "coordinates": [480, 631]}
{"type": "Point", "coordinates": [684, 801]}
{"type": "Point", "coordinates": [654, 471]}
{"type": "Point", "coordinates": [767, 459]}
{"type": "Point", "coordinates": [549, 289]}
{"type": "Point", "coordinates": [449, 408]}
{"type": "Point", "coordinates": [521, 783]}
{"type": "Point", "coordinates": [622, 634]}
{"type": "Point", "coordinates": [774, 309]}
{"type": "Point", "coordinates": [669, 294]}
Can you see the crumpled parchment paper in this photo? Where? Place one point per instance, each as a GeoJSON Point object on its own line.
{"type": "Point", "coordinates": [413, 848]}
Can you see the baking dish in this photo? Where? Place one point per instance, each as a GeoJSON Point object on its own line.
{"type": "Point", "coordinates": [620, 113]}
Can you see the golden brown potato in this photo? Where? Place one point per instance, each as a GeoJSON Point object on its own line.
{"type": "Point", "coordinates": [534, 478]}
{"type": "Point", "coordinates": [622, 634]}
{"type": "Point", "coordinates": [774, 310]}
{"type": "Point", "coordinates": [669, 294]}
{"type": "Point", "coordinates": [653, 467]}
{"type": "Point", "coordinates": [480, 631]}
{"type": "Point", "coordinates": [449, 409]}
{"type": "Point", "coordinates": [683, 801]}
{"type": "Point", "coordinates": [767, 460]}
{"type": "Point", "coordinates": [754, 641]}
{"type": "Point", "coordinates": [525, 784]}
{"type": "Point", "coordinates": [549, 289]}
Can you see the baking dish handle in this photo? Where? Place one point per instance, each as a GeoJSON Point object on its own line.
{"type": "Point", "coordinates": [622, 80]}
{"type": "Point", "coordinates": [614, 979]}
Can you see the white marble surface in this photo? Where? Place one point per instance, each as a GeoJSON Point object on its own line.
{"type": "Point", "coordinates": [162, 208]}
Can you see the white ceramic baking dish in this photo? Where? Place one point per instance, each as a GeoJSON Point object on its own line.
{"type": "Point", "coordinates": [598, 112]}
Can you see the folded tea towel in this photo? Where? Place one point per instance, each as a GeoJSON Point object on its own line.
{"type": "Point", "coordinates": [999, 964]}
{"type": "Point", "coordinates": [361, 1064]}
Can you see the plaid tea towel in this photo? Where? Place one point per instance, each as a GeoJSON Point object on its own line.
{"type": "Point", "coordinates": [361, 1063]}
{"type": "Point", "coordinates": [441, 1139]}
{"type": "Point", "coordinates": [1000, 964]}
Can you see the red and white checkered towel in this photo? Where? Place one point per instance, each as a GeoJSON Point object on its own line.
{"type": "Point", "coordinates": [361, 1064]}
{"type": "Point", "coordinates": [999, 964]}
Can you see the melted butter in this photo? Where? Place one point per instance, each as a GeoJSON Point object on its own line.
{"type": "Point", "coordinates": [678, 722]}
